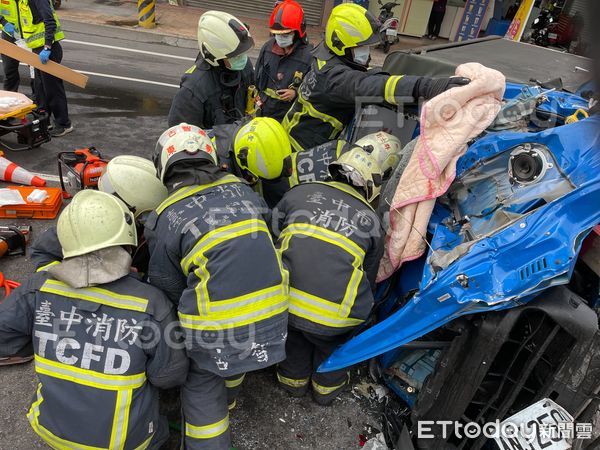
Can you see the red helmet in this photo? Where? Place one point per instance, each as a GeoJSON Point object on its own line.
{"type": "Point", "coordinates": [288, 15]}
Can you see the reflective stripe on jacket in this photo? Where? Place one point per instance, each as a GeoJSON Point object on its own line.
{"type": "Point", "coordinates": [212, 253]}
{"type": "Point", "coordinates": [33, 28]}
{"type": "Point", "coordinates": [331, 241]}
{"type": "Point", "coordinates": [328, 96]}
{"type": "Point", "coordinates": [99, 353]}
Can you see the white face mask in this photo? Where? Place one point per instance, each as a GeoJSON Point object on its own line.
{"type": "Point", "coordinates": [362, 55]}
{"type": "Point", "coordinates": [284, 40]}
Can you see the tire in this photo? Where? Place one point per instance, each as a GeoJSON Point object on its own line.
{"type": "Point", "coordinates": [386, 46]}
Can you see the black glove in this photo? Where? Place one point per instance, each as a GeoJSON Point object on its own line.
{"type": "Point", "coordinates": [428, 88]}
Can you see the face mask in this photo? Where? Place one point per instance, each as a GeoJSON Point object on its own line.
{"type": "Point", "coordinates": [284, 40]}
{"type": "Point", "coordinates": [362, 55]}
{"type": "Point", "coordinates": [239, 62]}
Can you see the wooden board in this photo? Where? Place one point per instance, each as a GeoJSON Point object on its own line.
{"type": "Point", "coordinates": [30, 58]}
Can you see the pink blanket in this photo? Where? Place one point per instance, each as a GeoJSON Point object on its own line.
{"type": "Point", "coordinates": [448, 122]}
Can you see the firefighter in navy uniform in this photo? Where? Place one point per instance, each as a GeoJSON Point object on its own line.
{"type": "Point", "coordinates": [283, 60]}
{"type": "Point", "coordinates": [263, 154]}
{"type": "Point", "coordinates": [133, 180]}
{"type": "Point", "coordinates": [214, 90]}
{"type": "Point", "coordinates": [101, 337]}
{"type": "Point", "coordinates": [212, 253]}
{"type": "Point", "coordinates": [331, 241]}
{"type": "Point", "coordinates": [339, 77]}
{"type": "Point", "coordinates": [9, 23]}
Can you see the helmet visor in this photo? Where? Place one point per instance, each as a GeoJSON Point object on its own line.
{"type": "Point", "coordinates": [281, 31]}
{"type": "Point", "coordinates": [374, 39]}
{"type": "Point", "coordinates": [246, 42]}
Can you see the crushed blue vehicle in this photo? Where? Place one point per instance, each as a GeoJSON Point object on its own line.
{"type": "Point", "coordinates": [502, 311]}
{"type": "Point", "coordinates": [537, 107]}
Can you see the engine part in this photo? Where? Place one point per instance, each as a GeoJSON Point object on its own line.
{"type": "Point", "coordinates": [13, 240]}
{"type": "Point", "coordinates": [528, 165]}
{"type": "Point", "coordinates": [80, 169]}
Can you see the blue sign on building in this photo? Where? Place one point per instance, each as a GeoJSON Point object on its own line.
{"type": "Point", "coordinates": [472, 20]}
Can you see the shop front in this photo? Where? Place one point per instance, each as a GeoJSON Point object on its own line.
{"type": "Point", "coordinates": [313, 9]}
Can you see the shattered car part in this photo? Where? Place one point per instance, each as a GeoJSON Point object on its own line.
{"type": "Point", "coordinates": [549, 348]}
{"type": "Point", "coordinates": [518, 242]}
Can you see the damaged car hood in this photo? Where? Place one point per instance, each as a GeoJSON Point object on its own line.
{"type": "Point", "coordinates": [510, 227]}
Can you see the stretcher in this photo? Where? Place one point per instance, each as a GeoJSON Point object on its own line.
{"type": "Point", "coordinates": [30, 125]}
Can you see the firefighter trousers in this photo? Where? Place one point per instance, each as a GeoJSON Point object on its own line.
{"type": "Point", "coordinates": [305, 353]}
{"type": "Point", "coordinates": [206, 399]}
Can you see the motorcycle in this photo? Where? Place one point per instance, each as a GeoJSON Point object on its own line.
{"type": "Point", "coordinates": [500, 317]}
{"type": "Point", "coordinates": [541, 28]}
{"type": "Point", "coordinates": [389, 25]}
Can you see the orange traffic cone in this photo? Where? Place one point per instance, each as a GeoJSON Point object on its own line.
{"type": "Point", "coordinates": [12, 173]}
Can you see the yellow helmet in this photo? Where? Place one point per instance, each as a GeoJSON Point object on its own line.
{"type": "Point", "coordinates": [384, 147]}
{"type": "Point", "coordinates": [359, 169]}
{"type": "Point", "coordinates": [92, 221]}
{"type": "Point", "coordinates": [349, 26]}
{"type": "Point", "coordinates": [261, 147]}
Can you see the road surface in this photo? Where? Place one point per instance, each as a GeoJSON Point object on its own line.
{"type": "Point", "coordinates": [123, 111]}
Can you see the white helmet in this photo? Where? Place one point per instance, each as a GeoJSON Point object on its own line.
{"type": "Point", "coordinates": [133, 180]}
{"type": "Point", "coordinates": [385, 149]}
{"type": "Point", "coordinates": [179, 143]}
{"type": "Point", "coordinates": [360, 169]}
{"type": "Point", "coordinates": [221, 36]}
{"type": "Point", "coordinates": [92, 221]}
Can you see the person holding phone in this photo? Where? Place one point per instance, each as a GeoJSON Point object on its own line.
{"type": "Point", "coordinates": [283, 60]}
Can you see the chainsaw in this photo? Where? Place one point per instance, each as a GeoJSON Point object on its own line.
{"type": "Point", "coordinates": [80, 169]}
{"type": "Point", "coordinates": [13, 240]}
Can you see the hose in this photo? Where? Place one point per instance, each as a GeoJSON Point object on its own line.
{"type": "Point", "coordinates": [8, 285]}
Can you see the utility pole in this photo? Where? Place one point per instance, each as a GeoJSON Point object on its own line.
{"type": "Point", "coordinates": [147, 13]}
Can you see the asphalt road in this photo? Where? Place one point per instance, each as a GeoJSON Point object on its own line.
{"type": "Point", "coordinates": [123, 111]}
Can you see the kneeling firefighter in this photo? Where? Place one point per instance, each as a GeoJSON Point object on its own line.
{"type": "Point", "coordinates": [131, 179]}
{"type": "Point", "coordinates": [214, 90]}
{"type": "Point", "coordinates": [212, 253]}
{"type": "Point", "coordinates": [338, 78]}
{"type": "Point", "coordinates": [263, 154]}
{"type": "Point", "coordinates": [102, 338]}
{"type": "Point", "coordinates": [331, 242]}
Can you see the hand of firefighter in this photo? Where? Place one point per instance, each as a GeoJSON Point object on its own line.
{"type": "Point", "coordinates": [287, 95]}
{"type": "Point", "coordinates": [9, 29]}
{"type": "Point", "coordinates": [44, 55]}
{"type": "Point", "coordinates": [428, 88]}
